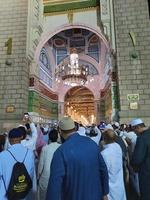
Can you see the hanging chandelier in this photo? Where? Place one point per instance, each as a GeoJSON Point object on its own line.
{"type": "Point", "coordinates": [72, 74]}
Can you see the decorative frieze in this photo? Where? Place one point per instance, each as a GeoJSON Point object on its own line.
{"type": "Point", "coordinates": [36, 84]}
{"type": "Point", "coordinates": [35, 26]}
{"type": "Point", "coordinates": [104, 7]}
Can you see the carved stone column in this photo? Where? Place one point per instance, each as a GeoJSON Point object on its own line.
{"type": "Point", "coordinates": [114, 89]}
{"type": "Point", "coordinates": [35, 26]}
{"type": "Point", "coordinates": [107, 19]}
{"type": "Point", "coordinates": [60, 110]}
{"type": "Point", "coordinates": [97, 110]}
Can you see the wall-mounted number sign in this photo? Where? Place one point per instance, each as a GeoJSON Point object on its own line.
{"type": "Point", "coordinates": [10, 109]}
{"type": "Point", "coordinates": [133, 97]}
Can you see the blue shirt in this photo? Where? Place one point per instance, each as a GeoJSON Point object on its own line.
{"type": "Point", "coordinates": [78, 171]}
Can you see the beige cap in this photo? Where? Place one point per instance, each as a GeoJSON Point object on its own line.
{"type": "Point", "coordinates": [66, 123]}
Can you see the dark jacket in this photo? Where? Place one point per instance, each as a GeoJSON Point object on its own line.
{"type": "Point", "coordinates": [141, 161]}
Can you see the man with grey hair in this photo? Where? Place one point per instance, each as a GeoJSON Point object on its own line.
{"type": "Point", "coordinates": [78, 171]}
{"type": "Point", "coordinates": [141, 157]}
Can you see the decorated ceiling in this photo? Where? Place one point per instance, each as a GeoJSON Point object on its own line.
{"type": "Point", "coordinates": [83, 40]}
{"type": "Point", "coordinates": [58, 48]}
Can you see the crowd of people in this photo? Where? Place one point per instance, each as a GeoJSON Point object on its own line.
{"type": "Point", "coordinates": [69, 161]}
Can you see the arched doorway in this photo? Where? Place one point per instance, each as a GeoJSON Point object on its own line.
{"type": "Point", "coordinates": [93, 51]}
{"type": "Point", "coordinates": [79, 104]}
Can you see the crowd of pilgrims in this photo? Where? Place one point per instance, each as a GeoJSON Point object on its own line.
{"type": "Point", "coordinates": [117, 144]}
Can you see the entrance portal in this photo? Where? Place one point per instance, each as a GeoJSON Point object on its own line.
{"type": "Point", "coordinates": [79, 104]}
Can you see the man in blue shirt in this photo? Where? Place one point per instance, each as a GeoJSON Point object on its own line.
{"type": "Point", "coordinates": [7, 162]}
{"type": "Point", "coordinates": [78, 171]}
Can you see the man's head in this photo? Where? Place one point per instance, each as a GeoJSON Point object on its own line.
{"type": "Point", "coordinates": [76, 126]}
{"type": "Point", "coordinates": [73, 50]}
{"type": "Point", "coordinates": [102, 125]}
{"type": "Point", "coordinates": [109, 136]}
{"type": "Point", "coordinates": [137, 125]}
{"type": "Point", "coordinates": [53, 135]}
{"type": "Point", "coordinates": [15, 136]}
{"type": "Point", "coordinates": [66, 126]}
{"type": "Point", "coordinates": [23, 130]}
{"type": "Point", "coordinates": [116, 125]}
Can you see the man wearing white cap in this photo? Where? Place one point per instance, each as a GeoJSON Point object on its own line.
{"type": "Point", "coordinates": [78, 171]}
{"type": "Point", "coordinates": [141, 157]}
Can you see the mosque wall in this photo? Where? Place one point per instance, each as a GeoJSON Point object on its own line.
{"type": "Point", "coordinates": [20, 31]}
{"type": "Point", "coordinates": [43, 109]}
{"type": "Point", "coordinates": [132, 26]}
{"type": "Point", "coordinates": [42, 102]}
{"type": "Point", "coordinates": [106, 105]}
{"type": "Point", "coordinates": [13, 66]}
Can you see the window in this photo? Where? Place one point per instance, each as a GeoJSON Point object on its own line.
{"type": "Point", "coordinates": [93, 51]}
{"type": "Point", "coordinates": [61, 54]}
{"type": "Point", "coordinates": [44, 60]}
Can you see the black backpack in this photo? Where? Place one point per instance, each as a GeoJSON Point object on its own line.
{"type": "Point", "coordinates": [20, 182]}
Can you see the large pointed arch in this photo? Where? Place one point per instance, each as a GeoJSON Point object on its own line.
{"type": "Point", "coordinates": [79, 103]}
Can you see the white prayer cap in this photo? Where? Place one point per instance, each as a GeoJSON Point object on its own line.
{"type": "Point", "coordinates": [136, 122]}
{"type": "Point", "coordinates": [117, 124]}
{"type": "Point", "coordinates": [81, 131]}
{"type": "Point", "coordinates": [108, 126]}
{"type": "Point", "coordinates": [21, 125]}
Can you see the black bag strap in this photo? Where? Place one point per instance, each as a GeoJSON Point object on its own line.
{"type": "Point", "coordinates": [40, 176]}
{"type": "Point", "coordinates": [25, 155]}
{"type": "Point", "coordinates": [4, 183]}
{"type": "Point", "coordinates": [15, 158]}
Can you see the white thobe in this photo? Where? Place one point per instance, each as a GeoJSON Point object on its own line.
{"type": "Point", "coordinates": [133, 175]}
{"type": "Point", "coordinates": [81, 131]}
{"type": "Point", "coordinates": [44, 167]}
{"type": "Point", "coordinates": [133, 137]}
{"type": "Point", "coordinates": [112, 155]}
{"type": "Point", "coordinates": [30, 141]}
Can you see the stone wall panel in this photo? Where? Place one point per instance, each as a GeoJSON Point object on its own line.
{"type": "Point", "coordinates": [13, 66]}
{"type": "Point", "coordinates": [131, 16]}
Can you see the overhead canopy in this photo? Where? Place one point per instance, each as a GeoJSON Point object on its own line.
{"type": "Point", "coordinates": [64, 5]}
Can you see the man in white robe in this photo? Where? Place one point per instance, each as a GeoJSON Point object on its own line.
{"type": "Point", "coordinates": [45, 162]}
{"type": "Point", "coordinates": [112, 155]}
